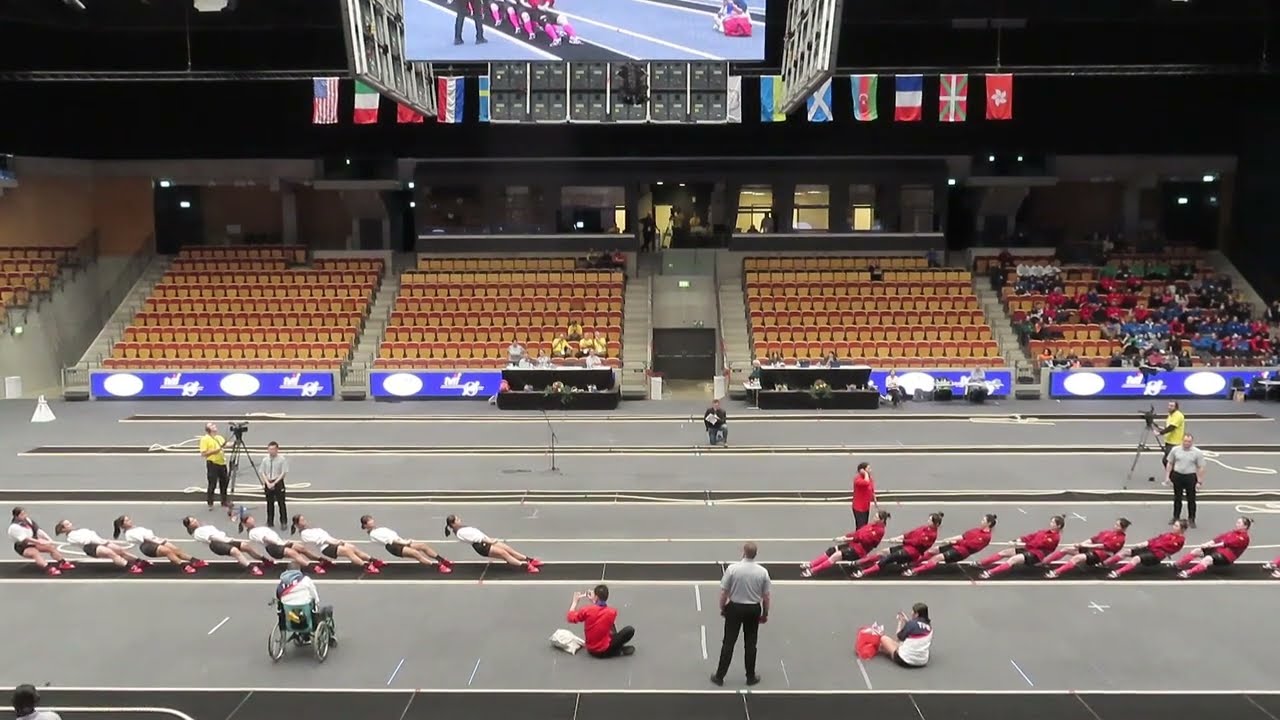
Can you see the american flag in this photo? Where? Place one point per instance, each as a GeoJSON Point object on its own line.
{"type": "Point", "coordinates": [324, 106]}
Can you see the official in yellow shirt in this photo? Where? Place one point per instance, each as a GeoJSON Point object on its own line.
{"type": "Point", "coordinates": [560, 346]}
{"type": "Point", "coordinates": [1175, 427]}
{"type": "Point", "coordinates": [215, 465]}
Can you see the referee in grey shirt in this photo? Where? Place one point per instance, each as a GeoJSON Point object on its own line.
{"type": "Point", "coordinates": [744, 604]}
{"type": "Point", "coordinates": [1185, 472]}
{"type": "Point", "coordinates": [275, 467]}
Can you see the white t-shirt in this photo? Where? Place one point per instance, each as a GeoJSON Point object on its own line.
{"type": "Point", "coordinates": [318, 537]}
{"type": "Point", "coordinates": [208, 533]}
{"type": "Point", "coordinates": [385, 535]}
{"type": "Point", "coordinates": [20, 532]}
{"type": "Point", "coordinates": [915, 639]}
{"type": "Point", "coordinates": [265, 536]}
{"type": "Point", "coordinates": [303, 593]}
{"type": "Point", "coordinates": [84, 536]}
{"type": "Point", "coordinates": [470, 534]}
{"type": "Point", "coordinates": [139, 535]}
{"type": "Point", "coordinates": [41, 715]}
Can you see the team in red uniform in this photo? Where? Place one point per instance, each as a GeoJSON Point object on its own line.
{"type": "Point", "coordinates": [955, 549]}
{"type": "Point", "coordinates": [1223, 550]}
{"type": "Point", "coordinates": [1151, 552]}
{"type": "Point", "coordinates": [912, 544]}
{"type": "Point", "coordinates": [1030, 550]}
{"type": "Point", "coordinates": [852, 547]}
{"type": "Point", "coordinates": [1094, 551]}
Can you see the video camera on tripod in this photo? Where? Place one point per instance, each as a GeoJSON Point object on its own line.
{"type": "Point", "coordinates": [1149, 416]}
{"type": "Point", "coordinates": [1149, 430]}
{"type": "Point", "coordinates": [238, 430]}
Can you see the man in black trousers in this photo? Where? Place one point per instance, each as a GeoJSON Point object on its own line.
{"type": "Point", "coordinates": [744, 604]}
{"type": "Point", "coordinates": [461, 9]}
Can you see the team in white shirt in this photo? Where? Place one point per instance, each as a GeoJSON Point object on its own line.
{"type": "Point", "coordinates": [280, 549]}
{"type": "Point", "coordinates": [225, 545]}
{"type": "Point", "coordinates": [153, 546]}
{"type": "Point", "coordinates": [402, 548]}
{"type": "Point", "coordinates": [94, 546]}
{"type": "Point", "coordinates": [30, 542]}
{"type": "Point", "coordinates": [333, 548]}
{"type": "Point", "coordinates": [487, 547]}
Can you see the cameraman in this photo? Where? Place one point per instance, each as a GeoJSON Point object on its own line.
{"type": "Point", "coordinates": [215, 465]}
{"type": "Point", "coordinates": [274, 469]}
{"type": "Point", "coordinates": [1175, 427]}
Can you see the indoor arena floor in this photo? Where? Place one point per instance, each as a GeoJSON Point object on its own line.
{"type": "Point", "coordinates": [636, 500]}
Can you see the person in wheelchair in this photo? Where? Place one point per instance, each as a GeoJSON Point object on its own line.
{"type": "Point", "coordinates": [296, 599]}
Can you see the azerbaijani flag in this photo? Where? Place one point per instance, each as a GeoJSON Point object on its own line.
{"type": "Point", "coordinates": [864, 97]}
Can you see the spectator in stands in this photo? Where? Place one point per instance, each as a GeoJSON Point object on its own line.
{"type": "Point", "coordinates": [560, 346]}
{"type": "Point", "coordinates": [543, 359]}
{"type": "Point", "coordinates": [893, 389]}
{"type": "Point", "coordinates": [1005, 258]}
{"type": "Point", "coordinates": [575, 330]}
{"type": "Point", "coordinates": [515, 352]}
{"type": "Point", "coordinates": [1273, 313]}
{"type": "Point", "coordinates": [593, 343]}
{"type": "Point", "coordinates": [717, 423]}
{"type": "Point", "coordinates": [775, 359]}
{"type": "Point", "coordinates": [591, 359]}
{"type": "Point", "coordinates": [831, 360]}
{"type": "Point", "coordinates": [648, 233]}
{"type": "Point", "coordinates": [877, 275]}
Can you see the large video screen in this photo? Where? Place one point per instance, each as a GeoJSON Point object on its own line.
{"type": "Point", "coordinates": [584, 30]}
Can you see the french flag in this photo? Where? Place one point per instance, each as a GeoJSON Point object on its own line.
{"type": "Point", "coordinates": [908, 98]}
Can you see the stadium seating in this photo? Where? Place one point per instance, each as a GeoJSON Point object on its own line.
{"type": "Point", "coordinates": [464, 312]}
{"type": "Point", "coordinates": [914, 317]}
{"type": "Point", "coordinates": [28, 270]}
{"type": "Point", "coordinates": [246, 307]}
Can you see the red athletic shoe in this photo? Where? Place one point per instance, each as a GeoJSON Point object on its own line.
{"type": "Point", "coordinates": [144, 562]}
{"type": "Point", "coordinates": [66, 565]}
{"type": "Point", "coordinates": [318, 570]}
{"type": "Point", "coordinates": [134, 570]}
{"type": "Point", "coordinates": [255, 570]}
{"type": "Point", "coordinates": [189, 569]}
{"type": "Point", "coordinates": [444, 568]}
{"type": "Point", "coordinates": [532, 569]}
{"type": "Point", "coordinates": [52, 570]}
{"type": "Point", "coordinates": [372, 569]}
{"type": "Point", "coordinates": [199, 563]}
{"type": "Point", "coordinates": [535, 562]}
{"type": "Point", "coordinates": [268, 563]}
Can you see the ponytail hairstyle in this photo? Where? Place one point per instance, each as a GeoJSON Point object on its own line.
{"type": "Point", "coordinates": [448, 525]}
{"type": "Point", "coordinates": [921, 611]}
{"type": "Point", "coordinates": [936, 519]}
{"type": "Point", "coordinates": [883, 515]}
{"type": "Point", "coordinates": [17, 511]}
{"type": "Point", "coordinates": [244, 517]}
{"type": "Point", "coordinates": [1124, 523]}
{"type": "Point", "coordinates": [991, 519]}
{"type": "Point", "coordinates": [293, 524]}
{"type": "Point", "coordinates": [364, 521]}
{"type": "Point", "coordinates": [117, 527]}
{"type": "Point", "coordinates": [190, 524]}
{"type": "Point", "coordinates": [1058, 521]}
{"type": "Point", "coordinates": [62, 527]}
{"type": "Point", "coordinates": [1180, 524]}
{"type": "Point", "coordinates": [1248, 522]}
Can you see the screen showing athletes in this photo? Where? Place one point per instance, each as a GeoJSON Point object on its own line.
{"type": "Point", "coordinates": [583, 30]}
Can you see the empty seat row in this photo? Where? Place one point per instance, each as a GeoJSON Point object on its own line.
{"type": "Point", "coordinates": [16, 265]}
{"type": "Point", "coordinates": [508, 304]}
{"type": "Point", "coordinates": [858, 289]}
{"type": "Point", "coordinates": [365, 264]}
{"type": "Point", "coordinates": [871, 318]}
{"type": "Point", "coordinates": [841, 303]}
{"type": "Point", "coordinates": [517, 264]}
{"type": "Point", "coordinates": [896, 262]}
{"type": "Point", "coordinates": [936, 275]}
{"type": "Point", "coordinates": [240, 333]}
{"type": "Point", "coordinates": [223, 266]}
{"type": "Point", "coordinates": [259, 318]}
{"type": "Point", "coordinates": [517, 319]}
{"type": "Point", "coordinates": [467, 350]}
{"type": "Point", "coordinates": [881, 349]}
{"type": "Point", "coordinates": [293, 253]}
{"type": "Point", "coordinates": [1080, 348]}
{"type": "Point", "coordinates": [55, 253]}
{"type": "Point", "coordinates": [487, 333]}
{"type": "Point", "coordinates": [435, 363]}
{"type": "Point", "coordinates": [221, 364]}
{"type": "Point", "coordinates": [870, 333]}
{"type": "Point", "coordinates": [578, 277]}
{"type": "Point", "coordinates": [232, 351]}
{"type": "Point", "coordinates": [245, 292]}
{"type": "Point", "coordinates": [31, 281]}
{"type": "Point", "coordinates": [529, 290]}
{"type": "Point", "coordinates": [289, 277]}
{"type": "Point", "coordinates": [226, 306]}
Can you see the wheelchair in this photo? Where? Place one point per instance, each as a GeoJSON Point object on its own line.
{"type": "Point", "coordinates": [302, 627]}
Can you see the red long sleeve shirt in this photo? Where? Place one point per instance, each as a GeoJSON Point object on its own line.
{"type": "Point", "coordinates": [1234, 543]}
{"type": "Point", "coordinates": [864, 491]}
{"type": "Point", "coordinates": [918, 540]}
{"type": "Point", "coordinates": [598, 621]}
{"type": "Point", "coordinates": [1162, 546]}
{"type": "Point", "coordinates": [866, 538]}
{"type": "Point", "coordinates": [1112, 541]}
{"type": "Point", "coordinates": [1041, 542]}
{"type": "Point", "coordinates": [974, 540]}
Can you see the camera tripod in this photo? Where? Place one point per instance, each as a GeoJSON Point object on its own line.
{"type": "Point", "coordinates": [1148, 433]}
{"type": "Point", "coordinates": [237, 451]}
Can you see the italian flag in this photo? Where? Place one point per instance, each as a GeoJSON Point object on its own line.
{"type": "Point", "coordinates": [367, 100]}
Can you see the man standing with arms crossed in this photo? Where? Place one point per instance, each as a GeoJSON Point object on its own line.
{"type": "Point", "coordinates": [744, 604]}
{"type": "Point", "coordinates": [274, 469]}
{"type": "Point", "coordinates": [1184, 470]}
{"type": "Point", "coordinates": [215, 465]}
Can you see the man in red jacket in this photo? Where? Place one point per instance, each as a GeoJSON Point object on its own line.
{"type": "Point", "coordinates": [604, 638]}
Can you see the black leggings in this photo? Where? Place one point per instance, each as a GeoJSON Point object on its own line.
{"type": "Point", "coordinates": [617, 642]}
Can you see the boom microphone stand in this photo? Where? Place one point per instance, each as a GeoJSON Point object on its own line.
{"type": "Point", "coordinates": [551, 430]}
{"type": "Point", "coordinates": [1148, 431]}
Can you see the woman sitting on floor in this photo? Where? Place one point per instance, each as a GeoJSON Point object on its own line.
{"type": "Point", "coordinates": [909, 647]}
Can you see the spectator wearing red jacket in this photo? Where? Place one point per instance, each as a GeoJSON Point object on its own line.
{"type": "Point", "coordinates": [850, 548]}
{"type": "Point", "coordinates": [1029, 550]}
{"type": "Point", "coordinates": [599, 621]}
{"type": "Point", "coordinates": [864, 495]}
{"type": "Point", "coordinates": [1149, 553]}
{"type": "Point", "coordinates": [1094, 551]}
{"type": "Point", "coordinates": [1221, 551]}
{"type": "Point", "coordinates": [955, 549]}
{"type": "Point", "coordinates": [911, 546]}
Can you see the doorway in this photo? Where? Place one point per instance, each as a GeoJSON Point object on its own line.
{"type": "Point", "coordinates": [685, 353]}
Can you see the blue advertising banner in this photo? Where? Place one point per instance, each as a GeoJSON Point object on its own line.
{"type": "Point", "coordinates": [468, 384]}
{"type": "Point", "coordinates": [998, 381]}
{"type": "Point", "coordinates": [109, 384]}
{"type": "Point", "coordinates": [1126, 382]}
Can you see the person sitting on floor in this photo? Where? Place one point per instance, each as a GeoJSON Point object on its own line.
{"type": "Point", "coordinates": [909, 648]}
{"type": "Point", "coordinates": [604, 638]}
{"type": "Point", "coordinates": [717, 423]}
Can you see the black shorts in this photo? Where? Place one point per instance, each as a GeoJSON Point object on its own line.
{"type": "Point", "coordinates": [897, 660]}
{"type": "Point", "coordinates": [848, 553]}
{"type": "Point", "coordinates": [275, 551]}
{"type": "Point", "coordinates": [330, 551]}
{"type": "Point", "coordinates": [91, 549]}
{"type": "Point", "coordinates": [482, 548]}
{"type": "Point", "coordinates": [1029, 558]}
{"type": "Point", "coordinates": [1219, 560]}
{"type": "Point", "coordinates": [1147, 557]}
{"type": "Point", "coordinates": [150, 548]}
{"type": "Point", "coordinates": [220, 547]}
{"type": "Point", "coordinates": [396, 549]}
{"type": "Point", "coordinates": [952, 554]}
{"type": "Point", "coordinates": [1096, 557]}
{"type": "Point", "coordinates": [20, 547]}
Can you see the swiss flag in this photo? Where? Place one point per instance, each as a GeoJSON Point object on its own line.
{"type": "Point", "coordinates": [1000, 97]}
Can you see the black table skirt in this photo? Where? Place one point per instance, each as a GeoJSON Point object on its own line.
{"type": "Point", "coordinates": [537, 400]}
{"type": "Point", "coordinates": [804, 400]}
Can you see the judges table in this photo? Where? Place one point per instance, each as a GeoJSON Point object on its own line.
{"type": "Point", "coordinates": [528, 389]}
{"type": "Point", "coordinates": [802, 378]}
{"type": "Point", "coordinates": [791, 388]}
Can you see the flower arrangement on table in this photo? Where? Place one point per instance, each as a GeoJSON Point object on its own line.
{"type": "Point", "coordinates": [560, 391]}
{"type": "Point", "coordinates": [820, 390]}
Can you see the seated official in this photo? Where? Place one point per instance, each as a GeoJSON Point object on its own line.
{"type": "Point", "coordinates": [893, 389]}
{"type": "Point", "coordinates": [976, 387]}
{"type": "Point", "coordinates": [296, 592]}
{"type": "Point", "coordinates": [560, 346]}
{"type": "Point", "coordinates": [592, 360]}
{"type": "Point", "coordinates": [717, 423]}
{"type": "Point", "coordinates": [604, 638]}
{"type": "Point", "coordinates": [575, 330]}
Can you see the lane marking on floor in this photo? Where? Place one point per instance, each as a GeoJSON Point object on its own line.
{"type": "Point", "coordinates": [703, 636]}
{"type": "Point", "coordinates": [697, 597]}
{"type": "Point", "coordinates": [474, 670]}
{"type": "Point", "coordinates": [592, 419]}
{"type": "Point", "coordinates": [1020, 672]}
{"type": "Point", "coordinates": [785, 676]}
{"type": "Point", "coordinates": [865, 677]}
{"type": "Point", "coordinates": [215, 627]}
{"type": "Point", "coordinates": [87, 710]}
{"type": "Point", "coordinates": [395, 672]}
{"type": "Point", "coordinates": [1098, 609]}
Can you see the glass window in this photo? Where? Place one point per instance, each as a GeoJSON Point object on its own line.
{"type": "Point", "coordinates": [862, 208]}
{"type": "Point", "coordinates": [518, 208]}
{"type": "Point", "coordinates": [917, 208]}
{"type": "Point", "coordinates": [589, 208]}
{"type": "Point", "coordinates": [812, 208]}
{"type": "Point", "coordinates": [755, 205]}
{"type": "Point", "coordinates": [454, 208]}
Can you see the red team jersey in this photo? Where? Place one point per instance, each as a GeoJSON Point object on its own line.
{"type": "Point", "coordinates": [1112, 542]}
{"type": "Point", "coordinates": [973, 540]}
{"type": "Point", "coordinates": [864, 491]}
{"type": "Point", "coordinates": [866, 538]}
{"type": "Point", "coordinates": [1234, 543]}
{"type": "Point", "coordinates": [1041, 542]}
{"type": "Point", "coordinates": [1162, 546]}
{"type": "Point", "coordinates": [916, 541]}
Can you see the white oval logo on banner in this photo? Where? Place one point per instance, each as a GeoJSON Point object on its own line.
{"type": "Point", "coordinates": [122, 385]}
{"type": "Point", "coordinates": [402, 384]}
{"type": "Point", "coordinates": [240, 385]}
{"type": "Point", "coordinates": [1084, 384]}
{"type": "Point", "coordinates": [910, 382]}
{"type": "Point", "coordinates": [1205, 383]}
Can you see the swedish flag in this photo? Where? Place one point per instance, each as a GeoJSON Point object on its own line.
{"type": "Point", "coordinates": [484, 98]}
{"type": "Point", "coordinates": [772, 97]}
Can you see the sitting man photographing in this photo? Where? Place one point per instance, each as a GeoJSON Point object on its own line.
{"type": "Point", "coordinates": [604, 638]}
{"type": "Point", "coordinates": [717, 423]}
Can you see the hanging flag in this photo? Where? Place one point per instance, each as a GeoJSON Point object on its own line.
{"type": "Point", "coordinates": [451, 93]}
{"type": "Point", "coordinates": [771, 99]}
{"type": "Point", "coordinates": [819, 104]}
{"type": "Point", "coordinates": [733, 104]}
{"type": "Point", "coordinates": [406, 114]}
{"type": "Point", "coordinates": [1000, 97]}
{"type": "Point", "coordinates": [324, 101]}
{"type": "Point", "coordinates": [484, 98]}
{"type": "Point", "coordinates": [864, 97]}
{"type": "Point", "coordinates": [367, 101]}
{"type": "Point", "coordinates": [908, 98]}
{"type": "Point", "coordinates": [953, 98]}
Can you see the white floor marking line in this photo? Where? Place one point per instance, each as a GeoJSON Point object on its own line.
{"type": "Point", "coordinates": [1255, 704]}
{"type": "Point", "coordinates": [534, 516]}
{"type": "Point", "coordinates": [1213, 457]}
{"type": "Point", "coordinates": [1079, 517]}
{"type": "Point", "coordinates": [1262, 582]}
{"type": "Point", "coordinates": [414, 696]}
{"type": "Point", "coordinates": [697, 597]}
{"type": "Point", "coordinates": [1263, 509]}
{"type": "Point", "coordinates": [865, 677]}
{"type": "Point", "coordinates": [785, 676]}
{"type": "Point", "coordinates": [395, 672]}
{"type": "Point", "coordinates": [243, 700]}
{"type": "Point", "coordinates": [1024, 512]}
{"type": "Point", "coordinates": [576, 699]}
{"type": "Point", "coordinates": [474, 670]}
{"type": "Point", "coordinates": [916, 705]}
{"type": "Point", "coordinates": [703, 635]}
{"type": "Point", "coordinates": [215, 627]}
{"type": "Point", "coordinates": [1024, 675]}
{"type": "Point", "coordinates": [1098, 609]}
